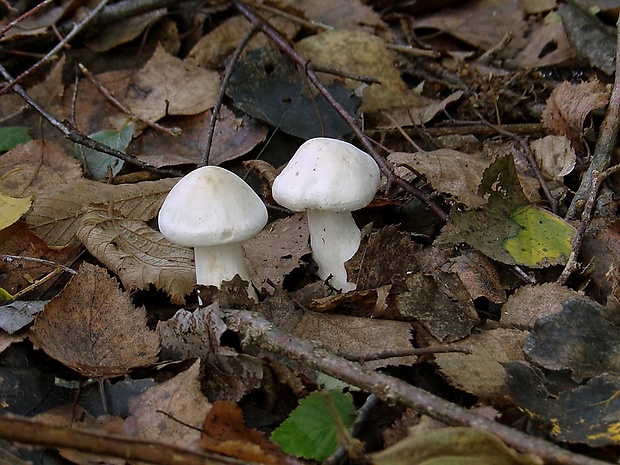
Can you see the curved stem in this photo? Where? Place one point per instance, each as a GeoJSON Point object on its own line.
{"type": "Point", "coordinates": [218, 263]}
{"type": "Point", "coordinates": [334, 238]}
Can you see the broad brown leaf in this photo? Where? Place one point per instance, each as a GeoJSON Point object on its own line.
{"type": "Point", "coordinates": [55, 214]}
{"type": "Point", "coordinates": [93, 327]}
{"type": "Point", "coordinates": [138, 254]}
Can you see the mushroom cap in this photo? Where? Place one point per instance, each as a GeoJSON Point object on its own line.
{"type": "Point", "coordinates": [327, 174]}
{"type": "Point", "coordinates": [211, 206]}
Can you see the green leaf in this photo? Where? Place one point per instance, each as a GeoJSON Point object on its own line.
{"type": "Point", "coordinates": [543, 240]}
{"type": "Point", "coordinates": [12, 136]}
{"type": "Point", "coordinates": [508, 228]}
{"type": "Point", "coordinates": [311, 431]}
{"type": "Point", "coordinates": [100, 164]}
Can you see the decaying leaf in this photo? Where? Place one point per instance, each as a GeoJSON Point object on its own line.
{"type": "Point", "coordinates": [479, 276]}
{"type": "Point", "coordinates": [583, 338]}
{"type": "Point", "coordinates": [225, 432]}
{"type": "Point", "coordinates": [455, 445]}
{"type": "Point", "coordinates": [530, 303]}
{"type": "Point", "coordinates": [93, 327]}
{"type": "Point", "coordinates": [361, 54]}
{"type": "Point", "coordinates": [447, 170]}
{"type": "Point", "coordinates": [481, 372]}
{"type": "Point", "coordinates": [233, 137]}
{"type": "Point", "coordinates": [439, 302]}
{"type": "Point", "coordinates": [569, 105]}
{"type": "Point", "coordinates": [586, 414]}
{"type": "Point", "coordinates": [169, 86]}
{"type": "Point", "coordinates": [137, 253]}
{"type": "Point", "coordinates": [34, 166]}
{"type": "Point", "coordinates": [55, 214]}
{"type": "Point", "coordinates": [171, 412]}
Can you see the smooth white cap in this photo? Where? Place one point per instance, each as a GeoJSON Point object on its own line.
{"type": "Point", "coordinates": [211, 206]}
{"type": "Point", "coordinates": [327, 174]}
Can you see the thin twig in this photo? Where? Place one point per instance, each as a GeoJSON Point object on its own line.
{"type": "Point", "coordinates": [10, 258]}
{"type": "Point", "coordinates": [79, 138]}
{"type": "Point", "coordinates": [285, 46]}
{"type": "Point", "coordinates": [605, 144]}
{"type": "Point", "coordinates": [28, 13]}
{"type": "Point", "coordinates": [206, 150]}
{"type": "Point", "coordinates": [54, 51]}
{"type": "Point", "coordinates": [257, 331]}
{"type": "Point", "coordinates": [438, 349]}
{"type": "Point", "coordinates": [122, 107]}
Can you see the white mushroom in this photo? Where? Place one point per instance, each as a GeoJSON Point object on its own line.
{"type": "Point", "coordinates": [329, 178]}
{"type": "Point", "coordinates": [213, 211]}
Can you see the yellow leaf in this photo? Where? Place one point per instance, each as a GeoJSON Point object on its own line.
{"type": "Point", "coordinates": [12, 208]}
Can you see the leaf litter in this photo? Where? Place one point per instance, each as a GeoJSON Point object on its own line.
{"type": "Point", "coordinates": [483, 284]}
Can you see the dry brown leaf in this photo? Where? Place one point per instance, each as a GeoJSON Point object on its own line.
{"type": "Point", "coordinates": [93, 327]}
{"type": "Point", "coordinates": [55, 214]}
{"type": "Point", "coordinates": [481, 372]}
{"type": "Point", "coordinates": [138, 254]}
{"type": "Point", "coordinates": [601, 251]}
{"type": "Point", "coordinates": [447, 170]}
{"type": "Point", "coordinates": [339, 14]}
{"type": "Point", "coordinates": [548, 46]}
{"type": "Point", "coordinates": [19, 240]}
{"type": "Point", "coordinates": [530, 303]}
{"type": "Point", "coordinates": [225, 432]}
{"type": "Point", "coordinates": [418, 111]}
{"type": "Point", "coordinates": [34, 166]}
{"type": "Point", "coordinates": [440, 302]}
{"type": "Point", "coordinates": [382, 258]}
{"type": "Point", "coordinates": [568, 106]}
{"type": "Point", "coordinates": [7, 339]}
{"type": "Point", "coordinates": [555, 156]}
{"type": "Point", "coordinates": [358, 336]}
{"type": "Point", "coordinates": [277, 250]}
{"type": "Point", "coordinates": [214, 48]}
{"type": "Point", "coordinates": [479, 275]}
{"type": "Point", "coordinates": [482, 24]}
{"type": "Point", "coordinates": [169, 86]}
{"type": "Point", "coordinates": [172, 412]}
{"type": "Point", "coordinates": [233, 137]}
{"type": "Point", "coordinates": [190, 334]}
{"type": "Point", "coordinates": [361, 54]}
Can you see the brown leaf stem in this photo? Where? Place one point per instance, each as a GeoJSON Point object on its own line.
{"type": "Point", "coordinates": [385, 168]}
{"type": "Point", "coordinates": [258, 331]}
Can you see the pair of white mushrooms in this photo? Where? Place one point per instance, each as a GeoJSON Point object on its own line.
{"type": "Point", "coordinates": [214, 211]}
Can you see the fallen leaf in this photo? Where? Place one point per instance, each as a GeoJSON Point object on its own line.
{"type": "Point", "coordinates": [586, 414]}
{"type": "Point", "coordinates": [92, 327]}
{"type": "Point", "coordinates": [448, 171]}
{"type": "Point", "coordinates": [438, 301]}
{"type": "Point", "coordinates": [569, 105]}
{"type": "Point", "coordinates": [225, 432]}
{"type": "Point", "coordinates": [277, 250]}
{"type": "Point", "coordinates": [362, 54]}
{"type": "Point", "coordinates": [169, 86]}
{"type": "Point", "coordinates": [481, 372]}
{"type": "Point", "coordinates": [554, 155]}
{"type": "Point", "coordinates": [269, 87]}
{"type": "Point", "coordinates": [529, 303]}
{"type": "Point", "coordinates": [583, 338]}
{"type": "Point", "coordinates": [548, 46]}
{"type": "Point", "coordinates": [55, 214]}
{"type": "Point", "coordinates": [452, 445]}
{"type": "Point", "coordinates": [11, 136]}
{"type": "Point", "coordinates": [171, 412]}
{"type": "Point", "coordinates": [12, 209]}
{"type": "Point", "coordinates": [137, 253]}
{"type": "Point", "coordinates": [35, 166]}
{"type": "Point", "coordinates": [17, 315]}
{"type": "Point", "coordinates": [479, 276]}
{"type": "Point", "coordinates": [233, 137]}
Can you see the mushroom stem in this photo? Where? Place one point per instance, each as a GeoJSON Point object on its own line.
{"type": "Point", "coordinates": [334, 238]}
{"type": "Point", "coordinates": [217, 263]}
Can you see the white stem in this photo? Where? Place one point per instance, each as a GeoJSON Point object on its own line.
{"type": "Point", "coordinates": [334, 238]}
{"type": "Point", "coordinates": [218, 263]}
